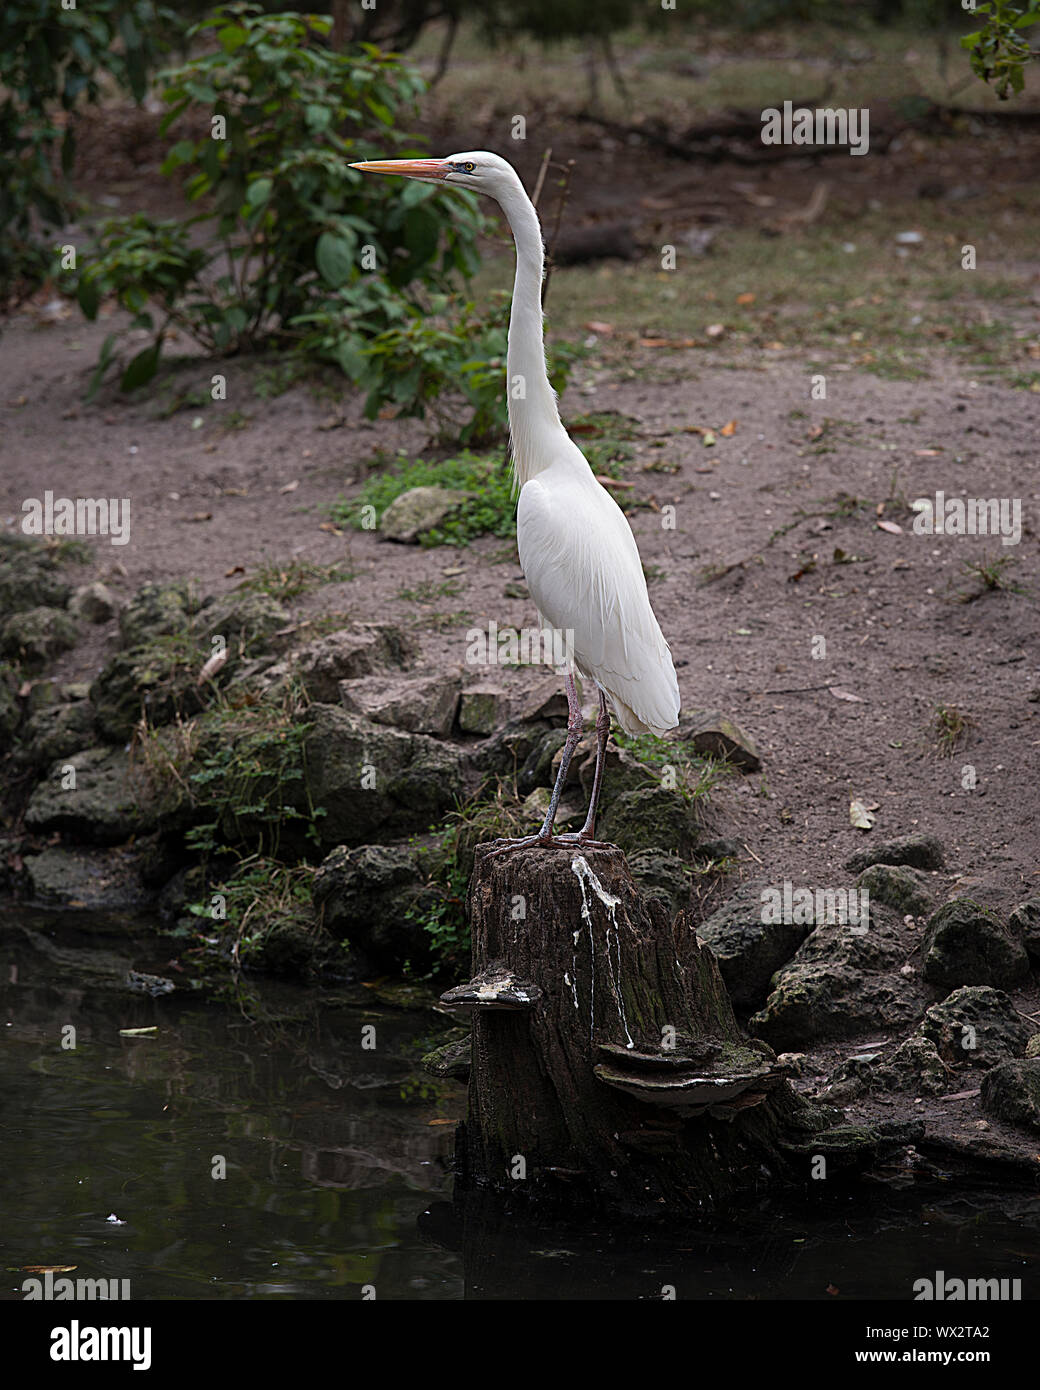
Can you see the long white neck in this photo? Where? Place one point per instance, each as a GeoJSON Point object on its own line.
{"type": "Point", "coordinates": [534, 421]}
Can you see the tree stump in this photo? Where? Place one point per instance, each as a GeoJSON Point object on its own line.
{"type": "Point", "coordinates": [609, 1072]}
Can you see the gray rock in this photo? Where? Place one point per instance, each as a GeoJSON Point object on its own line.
{"type": "Point", "coordinates": [413, 513]}
{"type": "Point", "coordinates": [246, 619]}
{"type": "Point", "coordinates": [137, 982]}
{"type": "Point", "coordinates": [543, 699]}
{"type": "Point", "coordinates": [86, 878]}
{"type": "Point", "coordinates": [713, 734]}
{"type": "Point", "coordinates": [919, 851]}
{"type": "Point", "coordinates": [508, 752]}
{"type": "Point", "coordinates": [419, 704]}
{"type": "Point", "coordinates": [1011, 1091]}
{"type": "Point", "coordinates": [371, 896]}
{"type": "Point", "coordinates": [95, 603]}
{"type": "Point", "coordinates": [915, 1066]}
{"type": "Point", "coordinates": [36, 636]}
{"type": "Point", "coordinates": [977, 1025]}
{"type": "Point", "coordinates": [904, 889]}
{"type": "Point", "coordinates": [539, 768]}
{"type": "Point", "coordinates": [483, 709]}
{"type": "Point", "coordinates": [110, 802]}
{"type": "Point", "coordinates": [373, 781]}
{"type": "Point", "coordinates": [967, 944]}
{"type": "Point", "coordinates": [818, 1001]}
{"type": "Point", "coordinates": [1024, 923]}
{"type": "Point", "coordinates": [57, 731]}
{"type": "Point", "coordinates": [361, 650]}
{"type": "Point", "coordinates": [661, 876]}
{"type": "Point", "coordinates": [749, 951]}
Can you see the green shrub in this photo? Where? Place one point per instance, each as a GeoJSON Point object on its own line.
{"type": "Point", "coordinates": [52, 57]}
{"type": "Point", "coordinates": [300, 249]}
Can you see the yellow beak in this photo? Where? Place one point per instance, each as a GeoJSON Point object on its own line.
{"type": "Point", "coordinates": [431, 170]}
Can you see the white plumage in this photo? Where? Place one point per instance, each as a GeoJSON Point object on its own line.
{"type": "Point", "coordinates": [576, 547]}
{"type": "Point", "coordinates": [583, 570]}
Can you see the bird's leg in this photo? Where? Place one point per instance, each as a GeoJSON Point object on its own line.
{"type": "Point", "coordinates": [574, 730]}
{"type": "Point", "coordinates": [586, 835]}
{"type": "Point", "coordinates": [588, 830]}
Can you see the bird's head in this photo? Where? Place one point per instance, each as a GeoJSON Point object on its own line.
{"type": "Point", "coordinates": [477, 169]}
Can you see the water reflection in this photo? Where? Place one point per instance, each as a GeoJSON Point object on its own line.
{"type": "Point", "coordinates": [337, 1160]}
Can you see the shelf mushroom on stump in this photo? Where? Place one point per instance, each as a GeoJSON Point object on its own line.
{"type": "Point", "coordinates": [608, 1068]}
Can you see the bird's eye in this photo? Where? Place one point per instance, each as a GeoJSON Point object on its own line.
{"type": "Point", "coordinates": [469, 166]}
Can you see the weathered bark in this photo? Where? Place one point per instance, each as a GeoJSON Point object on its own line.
{"type": "Point", "coordinates": [609, 1071]}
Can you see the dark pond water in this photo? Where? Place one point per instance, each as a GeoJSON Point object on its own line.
{"type": "Point", "coordinates": [337, 1160]}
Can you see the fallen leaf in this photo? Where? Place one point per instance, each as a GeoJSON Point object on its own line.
{"type": "Point", "coordinates": [747, 298]}
{"type": "Point", "coordinates": [49, 1269]}
{"type": "Point", "coordinates": [715, 330]}
{"type": "Point", "coordinates": [235, 569]}
{"type": "Point", "coordinates": [840, 694]}
{"type": "Point", "coordinates": [198, 516]}
{"type": "Point", "coordinates": [728, 429]}
{"type": "Point", "coordinates": [137, 1032]}
{"type": "Point", "coordinates": [708, 438]}
{"type": "Point", "coordinates": [216, 663]}
{"type": "Point", "coordinates": [859, 817]}
{"type": "Point", "coordinates": [290, 487]}
{"type": "Point", "coordinates": [328, 526]}
{"type": "Point", "coordinates": [927, 453]}
{"type": "Point", "coordinates": [443, 1122]}
{"type": "Point", "coordinates": [595, 326]}
{"type": "Point", "coordinates": [892, 527]}
{"type": "Point", "coordinates": [963, 1095]}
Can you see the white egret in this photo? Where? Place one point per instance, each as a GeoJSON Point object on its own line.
{"type": "Point", "coordinates": [576, 547]}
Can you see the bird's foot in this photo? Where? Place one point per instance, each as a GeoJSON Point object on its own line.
{"type": "Point", "coordinates": [583, 838]}
{"type": "Point", "coordinates": [504, 846]}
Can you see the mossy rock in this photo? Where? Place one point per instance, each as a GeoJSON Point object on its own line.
{"type": "Point", "coordinates": [157, 610]}
{"type": "Point", "coordinates": [10, 710]}
{"type": "Point", "coordinates": [35, 636]}
{"type": "Point", "coordinates": [650, 818]}
{"type": "Point", "coordinates": [967, 944]}
{"type": "Point", "coordinates": [661, 876]}
{"type": "Point", "coordinates": [372, 896]}
{"type": "Point", "coordinates": [373, 781]}
{"type": "Point", "coordinates": [904, 889]}
{"type": "Point", "coordinates": [32, 575]}
{"type": "Point", "coordinates": [158, 680]}
{"type": "Point", "coordinates": [110, 802]}
{"type": "Point", "coordinates": [1011, 1091]}
{"type": "Point", "coordinates": [246, 619]}
{"type": "Point", "coordinates": [976, 1024]}
{"type": "Point", "coordinates": [58, 731]}
{"type": "Point", "coordinates": [1024, 923]}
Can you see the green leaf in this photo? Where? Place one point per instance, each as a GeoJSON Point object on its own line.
{"type": "Point", "coordinates": [334, 257]}
{"type": "Point", "coordinates": [103, 362]}
{"type": "Point", "coordinates": [141, 368]}
{"type": "Point", "coordinates": [87, 296]}
{"type": "Point", "coordinates": [259, 191]}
